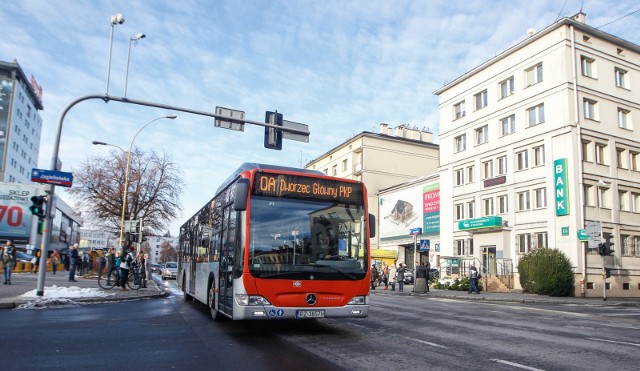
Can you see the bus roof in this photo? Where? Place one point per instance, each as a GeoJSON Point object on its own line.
{"type": "Point", "coordinates": [252, 165]}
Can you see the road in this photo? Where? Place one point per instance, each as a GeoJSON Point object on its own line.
{"type": "Point", "coordinates": [401, 333]}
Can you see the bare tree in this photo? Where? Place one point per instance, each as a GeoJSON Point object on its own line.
{"type": "Point", "coordinates": [155, 186]}
{"type": "Point", "coordinates": [167, 253]}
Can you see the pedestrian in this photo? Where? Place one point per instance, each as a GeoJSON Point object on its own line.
{"type": "Point", "coordinates": [401, 269]}
{"type": "Point", "coordinates": [374, 276]}
{"type": "Point", "coordinates": [428, 269]}
{"type": "Point", "coordinates": [126, 260]}
{"type": "Point", "coordinates": [393, 272]}
{"type": "Point", "coordinates": [111, 265]}
{"type": "Point", "coordinates": [8, 260]}
{"type": "Point", "coordinates": [473, 280]}
{"type": "Point", "coordinates": [74, 261]}
{"type": "Point", "coordinates": [54, 259]}
{"type": "Point", "coordinates": [85, 263]}
{"type": "Point", "coordinates": [385, 276]}
{"type": "Point", "coordinates": [420, 285]}
{"type": "Point", "coordinates": [142, 272]}
{"type": "Point", "coordinates": [147, 269]}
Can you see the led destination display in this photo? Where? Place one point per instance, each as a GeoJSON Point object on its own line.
{"type": "Point", "coordinates": [293, 186]}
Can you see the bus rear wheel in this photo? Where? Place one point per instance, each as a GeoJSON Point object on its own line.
{"type": "Point", "coordinates": [211, 302]}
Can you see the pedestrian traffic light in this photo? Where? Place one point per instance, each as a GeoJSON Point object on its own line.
{"type": "Point", "coordinates": [608, 244]}
{"type": "Point", "coordinates": [37, 207]}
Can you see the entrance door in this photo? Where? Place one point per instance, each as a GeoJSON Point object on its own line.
{"type": "Point", "coordinates": [489, 259]}
{"type": "Point", "coordinates": [227, 254]}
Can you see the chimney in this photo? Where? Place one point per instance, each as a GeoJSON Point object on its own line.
{"type": "Point", "coordinates": [580, 17]}
{"type": "Point", "coordinates": [384, 129]}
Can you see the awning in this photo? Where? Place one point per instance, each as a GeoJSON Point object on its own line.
{"type": "Point", "coordinates": [384, 254]}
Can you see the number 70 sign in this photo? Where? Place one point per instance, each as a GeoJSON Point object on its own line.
{"type": "Point", "coordinates": [15, 218]}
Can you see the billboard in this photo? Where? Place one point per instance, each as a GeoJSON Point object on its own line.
{"type": "Point", "coordinates": [15, 217]}
{"type": "Point", "coordinates": [413, 207]}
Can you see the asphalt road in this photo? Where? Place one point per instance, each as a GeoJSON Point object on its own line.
{"type": "Point", "coordinates": [401, 333]}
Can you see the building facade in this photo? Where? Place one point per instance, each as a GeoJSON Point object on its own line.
{"type": "Point", "coordinates": [20, 123]}
{"type": "Point", "coordinates": [539, 143]}
{"type": "Point", "coordinates": [381, 160]}
{"type": "Point", "coordinates": [156, 242]}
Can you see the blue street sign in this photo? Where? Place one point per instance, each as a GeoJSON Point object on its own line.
{"type": "Point", "coordinates": [51, 177]}
{"type": "Point", "coordinates": [414, 231]}
{"type": "Point", "coordinates": [425, 245]}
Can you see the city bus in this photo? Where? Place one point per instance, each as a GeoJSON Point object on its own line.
{"type": "Point", "coordinates": [279, 243]}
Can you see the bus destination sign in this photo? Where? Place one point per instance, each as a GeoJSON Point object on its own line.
{"type": "Point", "coordinates": [302, 187]}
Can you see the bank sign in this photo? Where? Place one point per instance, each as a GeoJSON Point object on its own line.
{"type": "Point", "coordinates": [561, 188]}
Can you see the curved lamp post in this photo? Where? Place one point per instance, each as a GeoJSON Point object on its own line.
{"type": "Point", "coordinates": [115, 19]}
{"type": "Point", "coordinates": [126, 172]}
{"type": "Point", "coordinates": [136, 37]}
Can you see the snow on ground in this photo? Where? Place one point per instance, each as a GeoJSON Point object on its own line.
{"type": "Point", "coordinates": [67, 292]}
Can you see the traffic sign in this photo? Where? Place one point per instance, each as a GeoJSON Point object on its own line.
{"type": "Point", "coordinates": [52, 177]}
{"type": "Point", "coordinates": [415, 231]}
{"type": "Point", "coordinates": [594, 231]}
{"type": "Point", "coordinates": [425, 245]}
{"type": "Point", "coordinates": [583, 235]}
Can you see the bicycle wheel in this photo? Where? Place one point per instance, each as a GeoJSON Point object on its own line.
{"type": "Point", "coordinates": [107, 280]}
{"type": "Point", "coordinates": [131, 280]}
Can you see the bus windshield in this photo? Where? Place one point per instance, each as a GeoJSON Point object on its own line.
{"type": "Point", "coordinates": [317, 240]}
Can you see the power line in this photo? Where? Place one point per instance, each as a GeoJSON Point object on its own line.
{"type": "Point", "coordinates": [616, 20]}
{"type": "Point", "coordinates": [560, 12]}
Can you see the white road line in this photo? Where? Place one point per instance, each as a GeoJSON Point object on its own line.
{"type": "Point", "coordinates": [615, 342]}
{"type": "Point", "coordinates": [427, 343]}
{"type": "Point", "coordinates": [516, 365]}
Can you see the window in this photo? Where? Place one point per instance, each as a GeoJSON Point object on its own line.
{"type": "Point", "coordinates": [523, 160]}
{"type": "Point", "coordinates": [621, 158]}
{"type": "Point", "coordinates": [627, 245]}
{"type": "Point", "coordinates": [635, 202]}
{"type": "Point", "coordinates": [508, 125]}
{"type": "Point", "coordinates": [538, 156]}
{"type": "Point", "coordinates": [633, 161]}
{"type": "Point", "coordinates": [523, 201]}
{"type": "Point", "coordinates": [480, 100]}
{"type": "Point", "coordinates": [541, 240]}
{"type": "Point", "coordinates": [459, 211]}
{"type": "Point", "coordinates": [541, 197]}
{"type": "Point", "coordinates": [603, 197]}
{"type": "Point", "coordinates": [471, 209]}
{"type": "Point", "coordinates": [482, 135]}
{"type": "Point", "coordinates": [334, 170]}
{"type": "Point", "coordinates": [589, 106]}
{"type": "Point", "coordinates": [487, 169]}
{"type": "Point", "coordinates": [459, 177]}
{"type": "Point", "coordinates": [326, 171]}
{"type": "Point", "coordinates": [586, 153]}
{"type": "Point", "coordinates": [600, 153]}
{"type": "Point", "coordinates": [459, 110]}
{"type": "Point", "coordinates": [469, 246]}
{"type": "Point", "coordinates": [470, 174]}
{"type": "Point", "coordinates": [524, 242]}
{"type": "Point", "coordinates": [623, 196]}
{"type": "Point", "coordinates": [461, 142]}
{"type": "Point", "coordinates": [534, 74]}
{"type": "Point", "coordinates": [488, 206]}
{"type": "Point", "coordinates": [587, 65]}
{"type": "Point", "coordinates": [506, 87]}
{"type": "Point", "coordinates": [503, 204]}
{"type": "Point", "coordinates": [623, 118]}
{"type": "Point", "coordinates": [344, 165]}
{"type": "Point", "coordinates": [536, 115]}
{"type": "Point", "coordinates": [621, 77]}
{"type": "Point", "coordinates": [502, 165]}
{"type": "Point", "coordinates": [459, 247]}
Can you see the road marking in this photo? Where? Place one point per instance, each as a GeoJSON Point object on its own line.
{"type": "Point", "coordinates": [615, 342]}
{"type": "Point", "coordinates": [516, 365]}
{"type": "Point", "coordinates": [427, 343]}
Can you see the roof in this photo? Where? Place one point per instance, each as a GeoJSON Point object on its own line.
{"type": "Point", "coordinates": [14, 66]}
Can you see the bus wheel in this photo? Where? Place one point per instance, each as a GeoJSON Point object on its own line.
{"type": "Point", "coordinates": [187, 297]}
{"type": "Point", "coordinates": [211, 303]}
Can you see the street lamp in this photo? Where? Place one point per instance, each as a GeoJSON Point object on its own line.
{"type": "Point", "coordinates": [115, 19]}
{"type": "Point", "coordinates": [126, 172]}
{"type": "Point", "coordinates": [138, 36]}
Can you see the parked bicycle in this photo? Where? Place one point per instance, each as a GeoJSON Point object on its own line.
{"type": "Point", "coordinates": [111, 279]}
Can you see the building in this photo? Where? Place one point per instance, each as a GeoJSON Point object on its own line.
{"type": "Point", "coordinates": [20, 123]}
{"type": "Point", "coordinates": [156, 242]}
{"type": "Point", "coordinates": [96, 239]}
{"type": "Point", "coordinates": [381, 160]}
{"type": "Point", "coordinates": [539, 143]}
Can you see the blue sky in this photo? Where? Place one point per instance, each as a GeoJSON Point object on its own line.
{"type": "Point", "coordinates": [342, 67]}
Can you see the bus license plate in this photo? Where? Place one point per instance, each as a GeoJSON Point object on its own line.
{"type": "Point", "coordinates": [310, 314]}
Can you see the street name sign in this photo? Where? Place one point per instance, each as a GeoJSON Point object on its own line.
{"type": "Point", "coordinates": [52, 177]}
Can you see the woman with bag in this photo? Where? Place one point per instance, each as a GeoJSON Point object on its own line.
{"type": "Point", "coordinates": [54, 260]}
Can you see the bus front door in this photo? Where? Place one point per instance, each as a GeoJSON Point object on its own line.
{"type": "Point", "coordinates": [225, 297]}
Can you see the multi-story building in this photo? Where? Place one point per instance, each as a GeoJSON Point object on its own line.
{"type": "Point", "coordinates": [156, 242]}
{"type": "Point", "coordinates": [96, 239]}
{"type": "Point", "coordinates": [20, 123]}
{"type": "Point", "coordinates": [393, 156]}
{"type": "Point", "coordinates": [537, 144]}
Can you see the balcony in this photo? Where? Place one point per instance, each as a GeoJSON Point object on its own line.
{"type": "Point", "coordinates": [357, 168]}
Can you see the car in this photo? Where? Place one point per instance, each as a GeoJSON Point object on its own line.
{"type": "Point", "coordinates": [408, 278]}
{"type": "Point", "coordinates": [23, 257]}
{"type": "Point", "coordinates": [169, 270]}
{"type": "Point", "coordinates": [156, 268]}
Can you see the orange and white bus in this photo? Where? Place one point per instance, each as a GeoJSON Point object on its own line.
{"type": "Point", "coordinates": [279, 243]}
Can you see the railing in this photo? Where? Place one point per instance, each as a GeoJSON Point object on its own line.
{"type": "Point", "coordinates": [503, 269]}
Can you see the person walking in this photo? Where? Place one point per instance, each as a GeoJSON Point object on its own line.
{"type": "Point", "coordinates": [421, 279]}
{"type": "Point", "coordinates": [401, 269]}
{"type": "Point", "coordinates": [392, 277]}
{"type": "Point", "coordinates": [110, 258]}
{"type": "Point", "coordinates": [374, 276]}
{"type": "Point", "coordinates": [126, 259]}
{"type": "Point", "coordinates": [142, 269]}
{"type": "Point", "coordinates": [8, 254]}
{"type": "Point", "coordinates": [427, 267]}
{"type": "Point", "coordinates": [54, 259]}
{"type": "Point", "coordinates": [385, 276]}
{"type": "Point", "coordinates": [473, 280]}
{"type": "Point", "coordinates": [74, 261]}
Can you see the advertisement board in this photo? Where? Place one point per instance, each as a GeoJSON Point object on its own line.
{"type": "Point", "coordinates": [15, 217]}
{"type": "Point", "coordinates": [413, 207]}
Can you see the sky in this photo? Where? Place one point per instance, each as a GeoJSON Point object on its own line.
{"type": "Point", "coordinates": [341, 67]}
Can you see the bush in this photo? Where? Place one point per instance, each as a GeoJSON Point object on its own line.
{"type": "Point", "coordinates": [546, 272]}
{"type": "Point", "coordinates": [458, 284]}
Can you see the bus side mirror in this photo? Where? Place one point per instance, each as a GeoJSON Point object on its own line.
{"type": "Point", "coordinates": [241, 195]}
{"type": "Point", "coordinates": [372, 225]}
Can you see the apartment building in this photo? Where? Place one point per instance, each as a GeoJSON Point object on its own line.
{"type": "Point", "coordinates": [540, 142]}
{"type": "Point", "coordinates": [381, 160]}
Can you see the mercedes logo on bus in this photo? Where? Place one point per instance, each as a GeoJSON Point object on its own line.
{"type": "Point", "coordinates": [311, 299]}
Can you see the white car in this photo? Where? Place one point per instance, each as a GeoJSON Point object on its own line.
{"type": "Point", "coordinates": [169, 270]}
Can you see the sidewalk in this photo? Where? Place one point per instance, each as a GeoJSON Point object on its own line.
{"type": "Point", "coordinates": [512, 297]}
{"type": "Point", "coordinates": [21, 283]}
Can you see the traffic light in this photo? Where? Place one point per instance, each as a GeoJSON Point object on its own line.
{"type": "Point", "coordinates": [601, 249]}
{"type": "Point", "coordinates": [37, 207]}
{"type": "Point", "coordinates": [273, 136]}
{"type": "Point", "coordinates": [608, 244]}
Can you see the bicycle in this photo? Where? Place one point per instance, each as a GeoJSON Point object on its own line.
{"type": "Point", "coordinates": [108, 280]}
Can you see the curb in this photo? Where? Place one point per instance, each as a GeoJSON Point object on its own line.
{"type": "Point", "coordinates": [15, 302]}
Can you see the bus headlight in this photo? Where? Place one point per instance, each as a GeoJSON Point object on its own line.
{"type": "Point", "coordinates": [358, 300]}
{"type": "Point", "coordinates": [251, 300]}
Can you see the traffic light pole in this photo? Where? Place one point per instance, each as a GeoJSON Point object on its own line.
{"type": "Point", "coordinates": [604, 281]}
